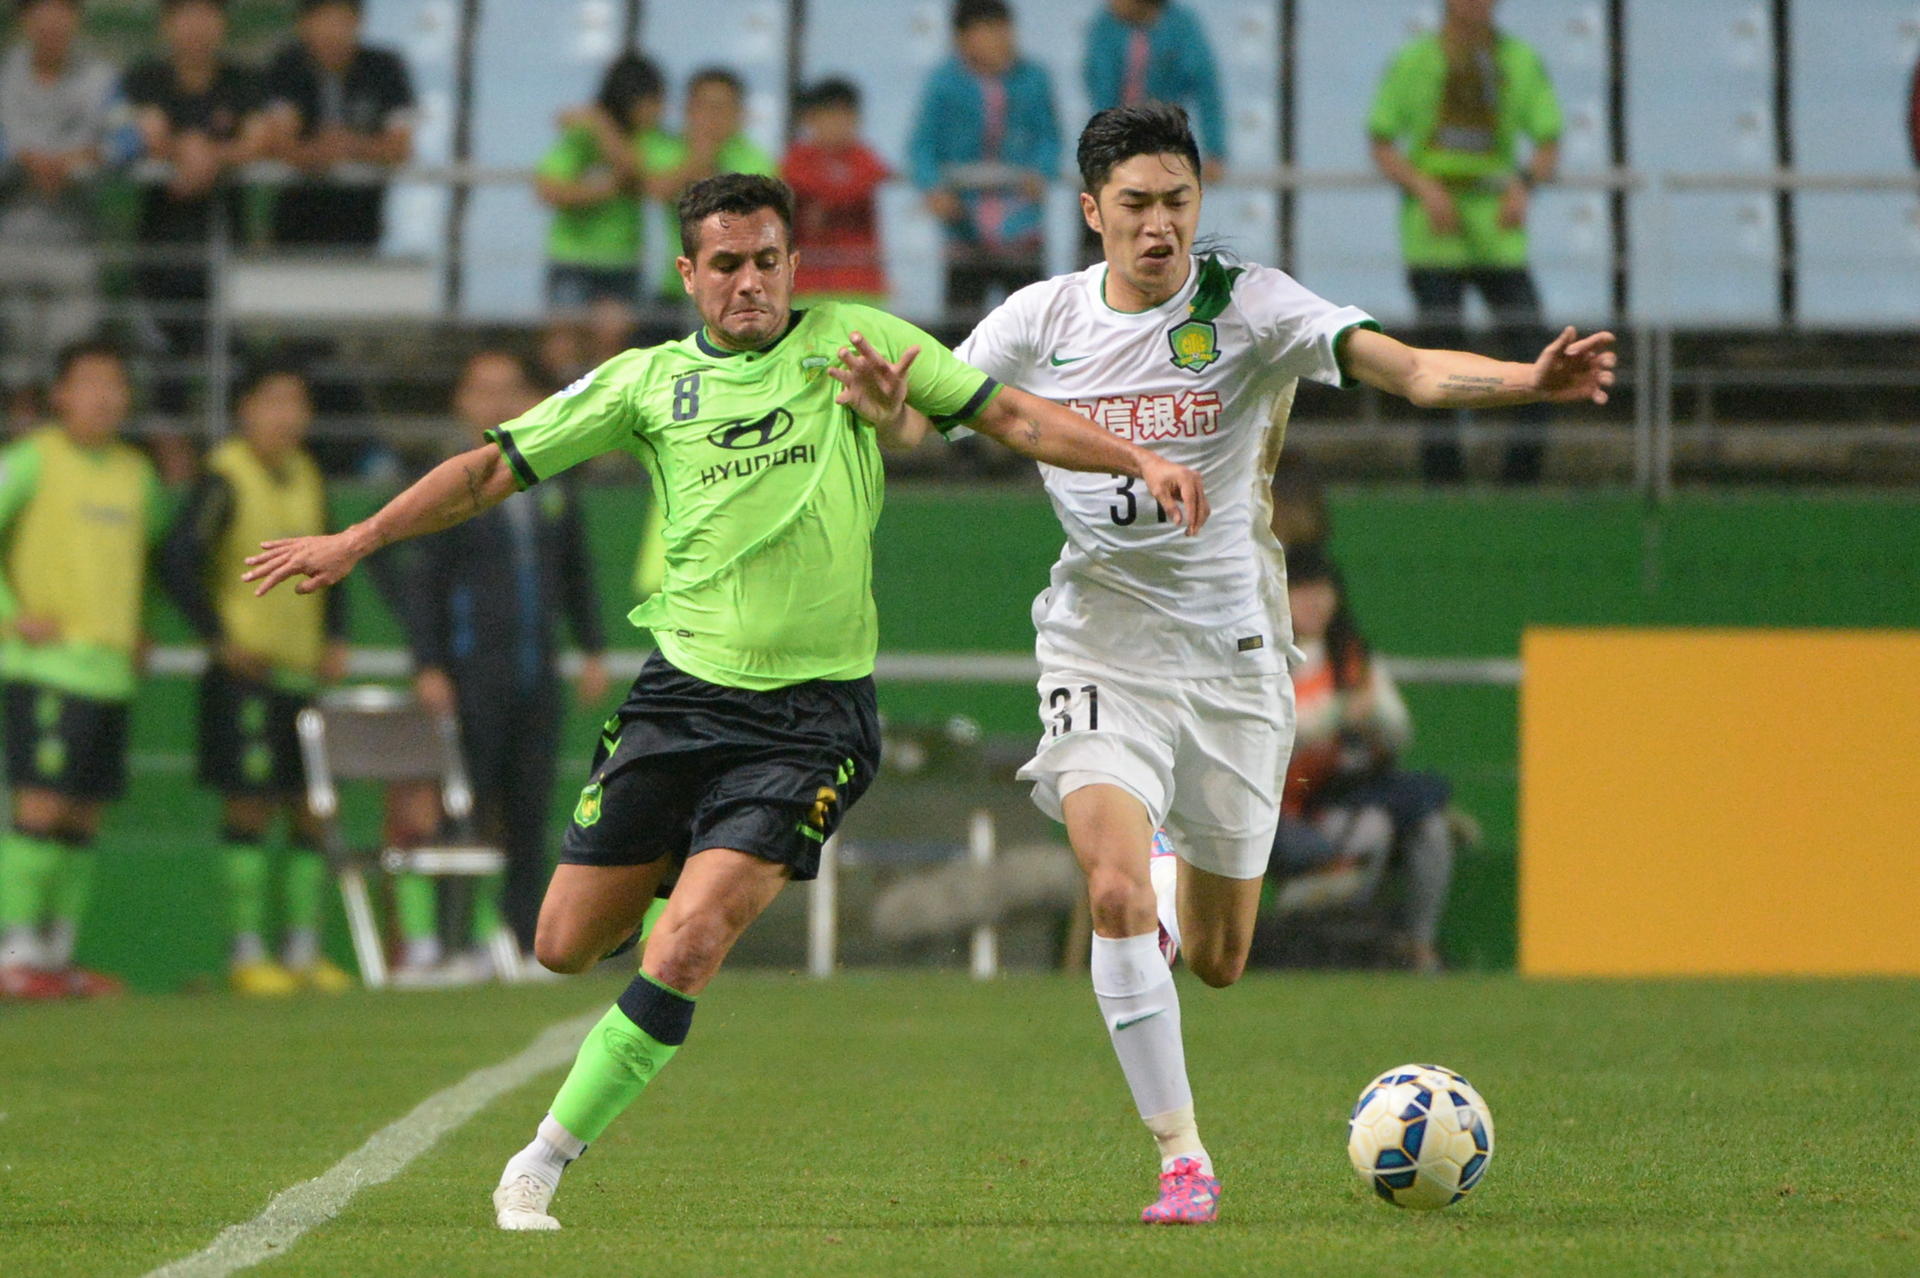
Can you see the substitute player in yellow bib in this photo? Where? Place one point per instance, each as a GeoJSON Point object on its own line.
{"type": "Point", "coordinates": [265, 660]}
{"type": "Point", "coordinates": [1164, 698]}
{"type": "Point", "coordinates": [78, 508]}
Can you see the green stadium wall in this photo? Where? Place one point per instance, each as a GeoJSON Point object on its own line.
{"type": "Point", "coordinates": [1456, 575]}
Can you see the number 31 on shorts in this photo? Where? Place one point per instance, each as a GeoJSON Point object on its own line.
{"type": "Point", "coordinates": [1072, 706]}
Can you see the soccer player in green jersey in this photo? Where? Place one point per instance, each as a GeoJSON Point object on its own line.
{"type": "Point", "coordinates": [753, 729]}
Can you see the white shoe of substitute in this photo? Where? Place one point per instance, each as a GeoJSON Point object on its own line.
{"type": "Point", "coordinates": [521, 1203]}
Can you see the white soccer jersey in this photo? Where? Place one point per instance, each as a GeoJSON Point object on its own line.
{"type": "Point", "coordinates": [1205, 379]}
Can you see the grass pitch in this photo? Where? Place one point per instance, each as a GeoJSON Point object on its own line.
{"type": "Point", "coordinates": [920, 1124]}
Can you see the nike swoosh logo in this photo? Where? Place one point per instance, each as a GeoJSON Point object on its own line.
{"type": "Point", "coordinates": [1056, 361]}
{"type": "Point", "coordinates": [1135, 1020]}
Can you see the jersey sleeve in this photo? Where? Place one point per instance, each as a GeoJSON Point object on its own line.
{"type": "Point", "coordinates": [1001, 345]}
{"type": "Point", "coordinates": [1295, 328]}
{"type": "Point", "coordinates": [19, 476]}
{"type": "Point", "coordinates": [1392, 115]}
{"type": "Point", "coordinates": [1539, 107]}
{"type": "Point", "coordinates": [951, 393]}
{"type": "Point", "coordinates": [595, 415]}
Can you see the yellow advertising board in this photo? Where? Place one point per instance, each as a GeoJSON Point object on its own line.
{"type": "Point", "coordinates": [1706, 802]}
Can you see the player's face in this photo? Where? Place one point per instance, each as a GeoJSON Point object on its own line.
{"type": "Point", "coordinates": [276, 415]}
{"type": "Point", "coordinates": [492, 392]}
{"type": "Point", "coordinates": [1312, 604]}
{"type": "Point", "coordinates": [741, 279]}
{"type": "Point", "coordinates": [1146, 215]}
{"type": "Point", "coordinates": [1470, 11]}
{"type": "Point", "coordinates": [93, 399]}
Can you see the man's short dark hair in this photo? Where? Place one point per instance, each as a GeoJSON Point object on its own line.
{"type": "Point", "coordinates": [21, 6]}
{"type": "Point", "coordinates": [718, 75]}
{"type": "Point", "coordinates": [258, 374]}
{"type": "Point", "coordinates": [736, 193]}
{"type": "Point", "coordinates": [1117, 134]}
{"type": "Point", "coordinates": [308, 6]}
{"type": "Point", "coordinates": [830, 93]}
{"type": "Point", "coordinates": [527, 366]}
{"type": "Point", "coordinates": [633, 77]}
{"type": "Point", "coordinates": [969, 13]}
{"type": "Point", "coordinates": [167, 6]}
{"type": "Point", "coordinates": [88, 348]}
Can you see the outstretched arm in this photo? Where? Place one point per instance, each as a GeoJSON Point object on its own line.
{"type": "Point", "coordinates": [1045, 431]}
{"type": "Point", "coordinates": [1570, 369]}
{"type": "Point", "coordinates": [452, 492]}
{"type": "Point", "coordinates": [1029, 425]}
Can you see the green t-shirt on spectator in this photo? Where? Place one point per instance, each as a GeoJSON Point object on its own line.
{"type": "Point", "coordinates": [604, 235]}
{"type": "Point", "coordinates": [661, 152]}
{"type": "Point", "coordinates": [1465, 135]}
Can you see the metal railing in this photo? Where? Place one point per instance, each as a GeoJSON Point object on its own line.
{"type": "Point", "coordinates": [1656, 382]}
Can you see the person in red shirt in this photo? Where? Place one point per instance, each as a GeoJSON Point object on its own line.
{"type": "Point", "coordinates": [835, 178]}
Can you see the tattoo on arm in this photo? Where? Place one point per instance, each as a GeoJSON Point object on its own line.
{"type": "Point", "coordinates": [473, 489]}
{"type": "Point", "coordinates": [1460, 381]}
{"type": "Point", "coordinates": [1030, 434]}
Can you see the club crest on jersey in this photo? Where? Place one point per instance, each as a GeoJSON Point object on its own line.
{"type": "Point", "coordinates": [813, 365]}
{"type": "Point", "coordinates": [1195, 345]}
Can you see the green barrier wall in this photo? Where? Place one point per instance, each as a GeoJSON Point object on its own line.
{"type": "Point", "coordinates": [1449, 575]}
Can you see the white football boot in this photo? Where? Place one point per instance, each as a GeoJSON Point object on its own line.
{"type": "Point", "coordinates": [521, 1203]}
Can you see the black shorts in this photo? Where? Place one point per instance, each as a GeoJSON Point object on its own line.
{"type": "Point", "coordinates": [249, 741]}
{"type": "Point", "coordinates": [66, 743]}
{"type": "Point", "coordinates": [686, 765]}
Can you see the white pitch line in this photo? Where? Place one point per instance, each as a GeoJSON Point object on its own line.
{"type": "Point", "coordinates": [299, 1208]}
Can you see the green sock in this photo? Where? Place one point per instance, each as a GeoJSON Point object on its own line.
{"type": "Point", "coordinates": [415, 899]}
{"type": "Point", "coordinates": [245, 864]}
{"type": "Point", "coordinates": [28, 867]}
{"type": "Point", "coordinates": [633, 1042]}
{"type": "Point", "coordinates": [306, 881]}
{"type": "Point", "coordinates": [75, 887]}
{"type": "Point", "coordinates": [486, 908]}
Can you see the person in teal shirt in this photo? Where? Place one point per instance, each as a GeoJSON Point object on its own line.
{"type": "Point", "coordinates": [1459, 101]}
{"type": "Point", "coordinates": [753, 729]}
{"type": "Point", "coordinates": [1156, 51]}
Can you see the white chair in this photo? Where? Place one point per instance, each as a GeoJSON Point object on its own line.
{"type": "Point", "coordinates": [377, 734]}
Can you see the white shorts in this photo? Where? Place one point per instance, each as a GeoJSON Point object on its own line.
{"type": "Point", "coordinates": [1207, 757]}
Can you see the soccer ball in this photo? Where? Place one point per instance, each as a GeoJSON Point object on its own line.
{"type": "Point", "coordinates": [1421, 1136]}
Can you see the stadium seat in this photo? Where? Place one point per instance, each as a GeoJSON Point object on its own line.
{"type": "Point", "coordinates": [377, 734]}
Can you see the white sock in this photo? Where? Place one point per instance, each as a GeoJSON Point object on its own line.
{"type": "Point", "coordinates": [1163, 870]}
{"type": "Point", "coordinates": [1142, 1010]}
{"type": "Point", "coordinates": [248, 948]}
{"type": "Point", "coordinates": [421, 951]}
{"type": "Point", "coordinates": [21, 946]}
{"type": "Point", "coordinates": [61, 936]}
{"type": "Point", "coordinates": [301, 948]}
{"type": "Point", "coordinates": [552, 1149]}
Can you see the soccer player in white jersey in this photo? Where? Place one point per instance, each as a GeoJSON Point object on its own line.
{"type": "Point", "coordinates": [1164, 696]}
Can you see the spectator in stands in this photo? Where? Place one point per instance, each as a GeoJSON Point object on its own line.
{"type": "Point", "coordinates": [1913, 114]}
{"type": "Point", "coordinates": [1153, 50]}
{"type": "Point", "coordinates": [592, 179]}
{"type": "Point", "coordinates": [59, 111]}
{"type": "Point", "coordinates": [836, 182]}
{"type": "Point", "coordinates": [198, 116]}
{"type": "Point", "coordinates": [1460, 99]}
{"type": "Point", "coordinates": [265, 660]}
{"type": "Point", "coordinates": [343, 115]}
{"type": "Point", "coordinates": [713, 142]}
{"type": "Point", "coordinates": [1385, 827]}
{"type": "Point", "coordinates": [989, 110]}
{"type": "Point", "coordinates": [78, 510]}
{"type": "Point", "coordinates": [487, 600]}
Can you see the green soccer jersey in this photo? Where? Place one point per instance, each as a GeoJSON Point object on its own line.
{"type": "Point", "coordinates": [769, 490]}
